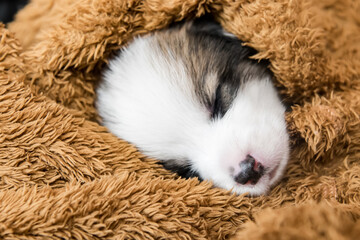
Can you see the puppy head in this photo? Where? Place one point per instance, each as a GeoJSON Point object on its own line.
{"type": "Point", "coordinates": [192, 97]}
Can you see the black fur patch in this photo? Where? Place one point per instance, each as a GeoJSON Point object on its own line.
{"type": "Point", "coordinates": [226, 56]}
{"type": "Point", "coordinates": [184, 171]}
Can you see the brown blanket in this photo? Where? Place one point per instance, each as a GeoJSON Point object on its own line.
{"type": "Point", "coordinates": [63, 176]}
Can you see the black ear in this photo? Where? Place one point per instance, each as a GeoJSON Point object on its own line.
{"type": "Point", "coordinates": [208, 25]}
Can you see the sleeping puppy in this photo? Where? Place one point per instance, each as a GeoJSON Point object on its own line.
{"type": "Point", "coordinates": [191, 97]}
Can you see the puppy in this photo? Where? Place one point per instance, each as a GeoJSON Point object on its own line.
{"type": "Point", "coordinates": [191, 97]}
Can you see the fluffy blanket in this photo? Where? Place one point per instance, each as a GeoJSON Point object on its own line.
{"type": "Point", "coordinates": [64, 176]}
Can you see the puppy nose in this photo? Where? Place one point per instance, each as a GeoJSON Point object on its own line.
{"type": "Point", "coordinates": [250, 171]}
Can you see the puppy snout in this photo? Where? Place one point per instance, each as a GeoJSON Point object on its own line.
{"type": "Point", "coordinates": [250, 171]}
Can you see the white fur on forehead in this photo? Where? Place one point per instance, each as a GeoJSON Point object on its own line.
{"type": "Point", "coordinates": [153, 101]}
{"type": "Point", "coordinates": [149, 100]}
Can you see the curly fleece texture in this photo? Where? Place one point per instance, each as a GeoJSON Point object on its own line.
{"type": "Point", "coordinates": [64, 176]}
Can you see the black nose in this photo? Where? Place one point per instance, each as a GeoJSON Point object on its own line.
{"type": "Point", "coordinates": [250, 171]}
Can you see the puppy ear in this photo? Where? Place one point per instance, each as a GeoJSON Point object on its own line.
{"type": "Point", "coordinates": [208, 25]}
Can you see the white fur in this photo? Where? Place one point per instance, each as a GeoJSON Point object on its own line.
{"type": "Point", "coordinates": [149, 102]}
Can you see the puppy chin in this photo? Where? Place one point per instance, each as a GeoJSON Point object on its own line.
{"type": "Point", "coordinates": [261, 188]}
{"type": "Point", "coordinates": [222, 179]}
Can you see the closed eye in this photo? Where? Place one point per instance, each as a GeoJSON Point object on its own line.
{"type": "Point", "coordinates": [216, 105]}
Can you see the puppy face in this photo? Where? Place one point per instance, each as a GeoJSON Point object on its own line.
{"type": "Point", "coordinates": [246, 149]}
{"type": "Point", "coordinates": [190, 96]}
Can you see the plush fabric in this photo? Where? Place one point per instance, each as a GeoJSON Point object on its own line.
{"type": "Point", "coordinates": [63, 175]}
